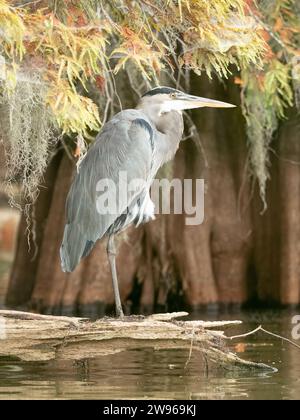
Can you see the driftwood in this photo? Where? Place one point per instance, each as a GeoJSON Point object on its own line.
{"type": "Point", "coordinates": [33, 337]}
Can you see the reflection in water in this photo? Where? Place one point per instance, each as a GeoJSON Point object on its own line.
{"type": "Point", "coordinates": [161, 374]}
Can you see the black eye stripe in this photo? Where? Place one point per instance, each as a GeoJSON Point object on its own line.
{"type": "Point", "coordinates": [157, 91]}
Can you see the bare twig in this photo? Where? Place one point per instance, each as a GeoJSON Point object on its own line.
{"type": "Point", "coordinates": [29, 3]}
{"type": "Point", "coordinates": [245, 335]}
{"type": "Point", "coordinates": [191, 349]}
{"type": "Point", "coordinates": [29, 316]}
{"type": "Point", "coordinates": [283, 159]}
{"type": "Point", "coordinates": [196, 137]}
{"type": "Point", "coordinates": [260, 328]}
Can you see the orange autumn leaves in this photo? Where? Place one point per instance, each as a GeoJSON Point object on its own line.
{"type": "Point", "coordinates": [280, 29]}
{"type": "Point", "coordinates": [135, 47]}
{"type": "Point", "coordinates": [73, 44]}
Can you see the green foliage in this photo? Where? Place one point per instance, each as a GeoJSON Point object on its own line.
{"type": "Point", "coordinates": [69, 45]}
{"type": "Point", "coordinates": [277, 88]}
{"type": "Point", "coordinates": [70, 109]}
{"type": "Point", "coordinates": [12, 31]}
{"type": "Point", "coordinates": [268, 91]}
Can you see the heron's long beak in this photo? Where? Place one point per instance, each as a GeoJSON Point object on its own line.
{"type": "Point", "coordinates": [190, 102]}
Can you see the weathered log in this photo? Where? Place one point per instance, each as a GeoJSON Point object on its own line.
{"type": "Point", "coordinates": [33, 337]}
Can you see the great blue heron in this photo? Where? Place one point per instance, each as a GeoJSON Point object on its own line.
{"type": "Point", "coordinates": [138, 141]}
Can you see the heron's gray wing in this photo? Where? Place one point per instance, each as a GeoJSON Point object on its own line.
{"type": "Point", "coordinates": [124, 146]}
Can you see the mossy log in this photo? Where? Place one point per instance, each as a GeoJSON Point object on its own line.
{"type": "Point", "coordinates": [33, 337]}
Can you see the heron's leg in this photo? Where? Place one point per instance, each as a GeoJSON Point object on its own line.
{"type": "Point", "coordinates": [111, 253]}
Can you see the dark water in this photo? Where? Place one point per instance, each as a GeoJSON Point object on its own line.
{"type": "Point", "coordinates": [150, 374]}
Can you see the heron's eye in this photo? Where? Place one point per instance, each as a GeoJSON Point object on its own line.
{"type": "Point", "coordinates": [173, 95]}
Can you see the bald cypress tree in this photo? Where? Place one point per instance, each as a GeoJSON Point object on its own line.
{"type": "Point", "coordinates": [66, 67]}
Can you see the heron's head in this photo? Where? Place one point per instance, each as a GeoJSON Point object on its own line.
{"type": "Point", "coordinates": [166, 99]}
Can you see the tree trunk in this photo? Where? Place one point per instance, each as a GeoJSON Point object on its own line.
{"type": "Point", "coordinates": [23, 275]}
{"type": "Point", "coordinates": [3, 198]}
{"type": "Point", "coordinates": [236, 256]}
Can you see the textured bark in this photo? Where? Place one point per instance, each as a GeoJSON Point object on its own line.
{"type": "Point", "coordinates": [236, 256]}
{"type": "Point", "coordinates": [289, 205]}
{"type": "Point", "coordinates": [277, 231]}
{"type": "Point", "coordinates": [23, 276]}
{"type": "Point", "coordinates": [3, 197]}
{"type": "Point", "coordinates": [2, 162]}
{"type": "Point", "coordinates": [65, 338]}
{"type": "Point", "coordinates": [218, 250]}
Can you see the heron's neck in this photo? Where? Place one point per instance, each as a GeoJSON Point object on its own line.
{"type": "Point", "coordinates": [170, 129]}
{"type": "Point", "coordinates": [170, 123]}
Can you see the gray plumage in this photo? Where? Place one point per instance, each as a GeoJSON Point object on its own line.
{"type": "Point", "coordinates": [136, 141]}
{"type": "Point", "coordinates": [129, 140]}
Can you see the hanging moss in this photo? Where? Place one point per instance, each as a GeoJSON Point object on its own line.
{"type": "Point", "coordinates": [269, 91]}
{"type": "Point", "coordinates": [261, 124]}
{"type": "Point", "coordinates": [27, 128]}
{"type": "Point", "coordinates": [85, 43]}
